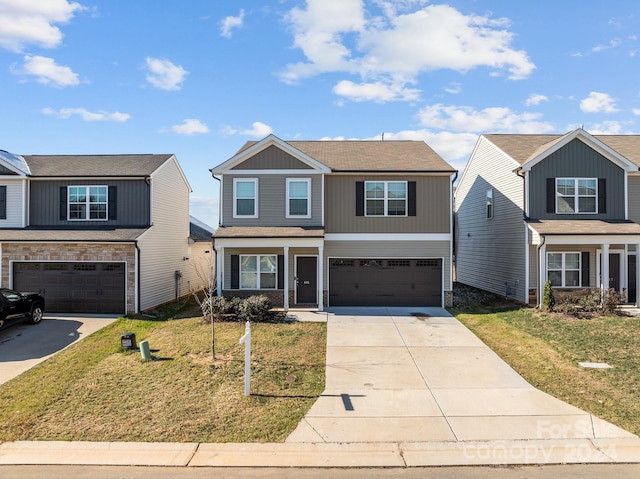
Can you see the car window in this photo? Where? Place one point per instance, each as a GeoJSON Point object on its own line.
{"type": "Point", "coordinates": [11, 296]}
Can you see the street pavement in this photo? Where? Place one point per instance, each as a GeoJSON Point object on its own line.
{"type": "Point", "coordinates": [405, 387]}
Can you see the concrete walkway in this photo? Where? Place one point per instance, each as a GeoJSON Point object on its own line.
{"type": "Point", "coordinates": [402, 390]}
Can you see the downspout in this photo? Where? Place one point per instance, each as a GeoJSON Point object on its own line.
{"type": "Point", "coordinates": [136, 305]}
{"type": "Point", "coordinates": [539, 275]}
{"type": "Point", "coordinates": [526, 242]}
{"type": "Point", "coordinates": [452, 247]}
{"type": "Point", "coordinates": [219, 197]}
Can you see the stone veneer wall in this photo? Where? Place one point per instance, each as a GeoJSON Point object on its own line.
{"type": "Point", "coordinates": [72, 252]}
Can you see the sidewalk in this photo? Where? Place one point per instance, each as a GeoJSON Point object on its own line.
{"type": "Point", "coordinates": [402, 390]}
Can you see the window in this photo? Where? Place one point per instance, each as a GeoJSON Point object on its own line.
{"type": "Point", "coordinates": [489, 203]}
{"type": "Point", "coordinates": [87, 203]}
{"type": "Point", "coordinates": [245, 198]}
{"type": "Point", "coordinates": [298, 198]}
{"type": "Point", "coordinates": [563, 269]}
{"type": "Point", "coordinates": [576, 195]}
{"type": "Point", "coordinates": [258, 272]}
{"type": "Point", "coordinates": [385, 198]}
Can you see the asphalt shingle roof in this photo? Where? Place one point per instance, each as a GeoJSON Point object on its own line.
{"type": "Point", "coordinates": [77, 235]}
{"type": "Point", "coordinates": [268, 232]}
{"type": "Point", "coordinates": [584, 227]}
{"type": "Point", "coordinates": [94, 165]}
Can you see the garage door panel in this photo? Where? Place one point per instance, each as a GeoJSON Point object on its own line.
{"type": "Point", "coordinates": [385, 282]}
{"type": "Point", "coordinates": [75, 287]}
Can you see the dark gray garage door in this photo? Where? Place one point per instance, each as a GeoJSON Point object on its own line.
{"type": "Point", "coordinates": [97, 288]}
{"type": "Point", "coordinates": [385, 282]}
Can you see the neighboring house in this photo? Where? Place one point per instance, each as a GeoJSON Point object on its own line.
{"type": "Point", "coordinates": [96, 234]}
{"type": "Point", "coordinates": [335, 223]}
{"type": "Point", "coordinates": [563, 208]}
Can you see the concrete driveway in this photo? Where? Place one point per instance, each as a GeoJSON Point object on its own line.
{"type": "Point", "coordinates": [417, 374]}
{"type": "Point", "coordinates": [25, 345]}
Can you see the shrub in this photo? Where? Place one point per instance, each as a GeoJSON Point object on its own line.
{"type": "Point", "coordinates": [548, 301]}
{"type": "Point", "coordinates": [254, 308]}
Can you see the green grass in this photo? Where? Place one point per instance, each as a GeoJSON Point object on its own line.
{"type": "Point", "coordinates": [545, 349]}
{"type": "Point", "coordinates": [94, 391]}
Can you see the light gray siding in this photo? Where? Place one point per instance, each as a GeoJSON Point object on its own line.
{"type": "Point", "coordinates": [133, 203]}
{"type": "Point", "coordinates": [391, 250]}
{"type": "Point", "coordinates": [576, 160]}
{"type": "Point", "coordinates": [15, 203]}
{"type": "Point", "coordinates": [491, 253]}
{"type": "Point", "coordinates": [433, 202]}
{"type": "Point", "coordinates": [634, 198]}
{"type": "Point", "coordinates": [271, 158]}
{"type": "Point", "coordinates": [272, 197]}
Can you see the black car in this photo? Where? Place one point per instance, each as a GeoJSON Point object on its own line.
{"type": "Point", "coordinates": [16, 307]}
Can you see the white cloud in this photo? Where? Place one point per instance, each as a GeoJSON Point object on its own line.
{"type": "Point", "coordinates": [636, 111]}
{"type": "Point", "coordinates": [230, 23]}
{"type": "Point", "coordinates": [190, 126]}
{"type": "Point", "coordinates": [611, 44]}
{"type": "Point", "coordinates": [32, 22]}
{"type": "Point", "coordinates": [535, 99]}
{"type": "Point", "coordinates": [375, 91]}
{"type": "Point", "coordinates": [47, 72]}
{"type": "Point", "coordinates": [393, 49]}
{"type": "Point", "coordinates": [258, 130]}
{"type": "Point", "coordinates": [165, 75]}
{"type": "Point", "coordinates": [598, 102]}
{"type": "Point", "coordinates": [86, 115]}
{"type": "Point", "coordinates": [607, 128]}
{"type": "Point", "coordinates": [453, 88]}
{"type": "Point", "coordinates": [494, 119]}
{"type": "Point", "coordinates": [451, 146]}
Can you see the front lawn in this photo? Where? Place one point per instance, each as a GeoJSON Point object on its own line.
{"type": "Point", "coordinates": [94, 391]}
{"type": "Point", "coordinates": [546, 348]}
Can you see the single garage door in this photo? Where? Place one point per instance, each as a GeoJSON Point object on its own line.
{"type": "Point", "coordinates": [97, 288]}
{"type": "Point", "coordinates": [385, 282]}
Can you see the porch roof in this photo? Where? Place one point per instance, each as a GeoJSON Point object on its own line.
{"type": "Point", "coordinates": [583, 227]}
{"type": "Point", "coordinates": [71, 236]}
{"type": "Point", "coordinates": [269, 232]}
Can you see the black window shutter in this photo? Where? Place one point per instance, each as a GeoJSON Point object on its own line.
{"type": "Point", "coordinates": [235, 271]}
{"type": "Point", "coordinates": [551, 195]}
{"type": "Point", "coordinates": [411, 196]}
{"type": "Point", "coordinates": [359, 198]}
{"type": "Point", "coordinates": [602, 195]}
{"type": "Point", "coordinates": [281, 272]}
{"type": "Point", "coordinates": [3, 202]}
{"type": "Point", "coordinates": [113, 202]}
{"type": "Point", "coordinates": [585, 269]}
{"type": "Point", "coordinates": [63, 203]}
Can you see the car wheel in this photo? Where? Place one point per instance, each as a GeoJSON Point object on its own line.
{"type": "Point", "coordinates": [36, 314]}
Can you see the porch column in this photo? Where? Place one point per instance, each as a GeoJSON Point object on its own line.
{"type": "Point", "coordinates": [219, 259]}
{"type": "Point", "coordinates": [286, 278]}
{"type": "Point", "coordinates": [542, 272]}
{"type": "Point", "coordinates": [320, 277]}
{"type": "Point", "coordinates": [604, 280]}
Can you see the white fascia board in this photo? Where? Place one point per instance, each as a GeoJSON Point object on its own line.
{"type": "Point", "coordinates": [591, 239]}
{"type": "Point", "coordinates": [268, 242]}
{"type": "Point", "coordinates": [263, 144]}
{"type": "Point", "coordinates": [300, 173]}
{"type": "Point", "coordinates": [387, 237]}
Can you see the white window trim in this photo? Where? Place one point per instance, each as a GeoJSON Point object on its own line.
{"type": "Point", "coordinates": [489, 204]}
{"type": "Point", "coordinates": [87, 203]}
{"type": "Point", "coordinates": [386, 199]}
{"type": "Point", "coordinates": [255, 200]}
{"type": "Point", "coordinates": [564, 269]}
{"type": "Point", "coordinates": [577, 197]}
{"type": "Point", "coordinates": [299, 180]}
{"type": "Point", "coordinates": [258, 272]}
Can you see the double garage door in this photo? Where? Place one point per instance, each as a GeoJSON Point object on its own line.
{"type": "Point", "coordinates": [97, 288]}
{"type": "Point", "coordinates": [385, 282]}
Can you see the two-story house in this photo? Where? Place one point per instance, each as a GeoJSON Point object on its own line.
{"type": "Point", "coordinates": [562, 208]}
{"type": "Point", "coordinates": [335, 223]}
{"type": "Point", "coordinates": [98, 234]}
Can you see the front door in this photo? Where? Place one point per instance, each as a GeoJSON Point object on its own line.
{"type": "Point", "coordinates": [614, 271]}
{"type": "Point", "coordinates": [306, 280]}
{"type": "Point", "coordinates": [631, 292]}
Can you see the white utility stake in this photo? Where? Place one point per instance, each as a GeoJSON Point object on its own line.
{"type": "Point", "coordinates": [246, 339]}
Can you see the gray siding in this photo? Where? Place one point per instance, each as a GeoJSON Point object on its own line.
{"type": "Point", "coordinates": [634, 198]}
{"type": "Point", "coordinates": [433, 200]}
{"type": "Point", "coordinates": [133, 203]}
{"type": "Point", "coordinates": [491, 252]}
{"type": "Point", "coordinates": [271, 158]}
{"type": "Point", "coordinates": [576, 160]}
{"type": "Point", "coordinates": [272, 191]}
{"type": "Point", "coordinates": [390, 249]}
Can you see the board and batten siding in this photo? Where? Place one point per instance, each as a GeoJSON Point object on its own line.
{"type": "Point", "coordinates": [15, 204]}
{"type": "Point", "coordinates": [365, 249]}
{"type": "Point", "coordinates": [491, 253]}
{"type": "Point", "coordinates": [165, 244]}
{"type": "Point", "coordinates": [272, 201]}
{"type": "Point", "coordinates": [132, 203]}
{"type": "Point", "coordinates": [433, 206]}
{"type": "Point", "coordinates": [271, 158]}
{"type": "Point", "coordinates": [577, 160]}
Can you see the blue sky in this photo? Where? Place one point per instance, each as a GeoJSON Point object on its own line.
{"type": "Point", "coordinates": [199, 78]}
